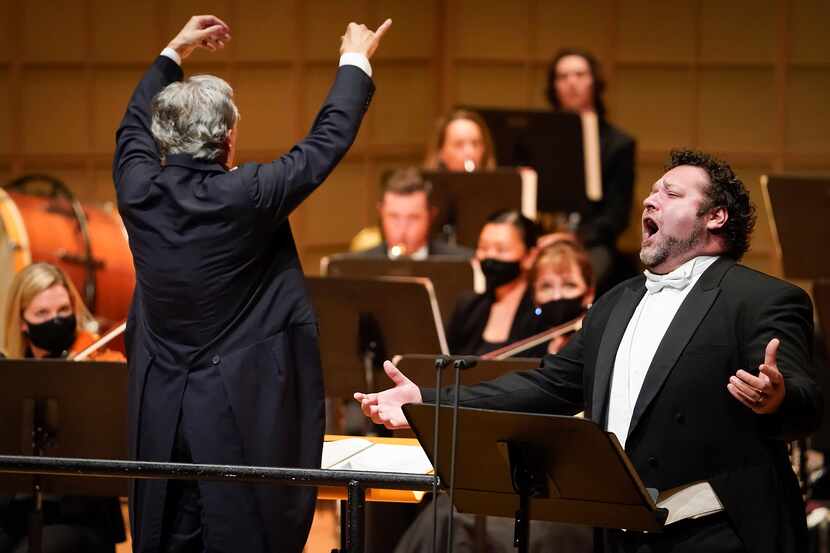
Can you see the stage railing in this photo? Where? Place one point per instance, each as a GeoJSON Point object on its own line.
{"type": "Point", "coordinates": [356, 482]}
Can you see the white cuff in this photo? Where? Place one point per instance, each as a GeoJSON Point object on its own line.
{"type": "Point", "coordinates": [360, 60]}
{"type": "Point", "coordinates": [172, 54]}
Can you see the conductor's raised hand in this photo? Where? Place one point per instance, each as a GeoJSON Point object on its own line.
{"type": "Point", "coordinates": [385, 407]}
{"type": "Point", "coordinates": [362, 40]}
{"type": "Point", "coordinates": [765, 392]}
{"type": "Point", "coordinates": [202, 31]}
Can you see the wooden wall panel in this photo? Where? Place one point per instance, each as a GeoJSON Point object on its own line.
{"type": "Point", "coordinates": [491, 30]}
{"type": "Point", "coordinates": [5, 114]}
{"type": "Point", "coordinates": [656, 106]}
{"type": "Point", "coordinates": [111, 90]}
{"type": "Point", "coordinates": [54, 106]}
{"type": "Point", "coordinates": [262, 96]}
{"type": "Point", "coordinates": [265, 31]}
{"type": "Point", "coordinates": [395, 121]}
{"type": "Point", "coordinates": [737, 109]}
{"type": "Point", "coordinates": [414, 28]}
{"type": "Point", "coordinates": [6, 41]}
{"type": "Point", "coordinates": [54, 30]}
{"type": "Point", "coordinates": [491, 85]}
{"type": "Point", "coordinates": [131, 40]}
{"type": "Point", "coordinates": [565, 24]}
{"type": "Point", "coordinates": [726, 35]}
{"type": "Point", "coordinates": [809, 111]}
{"type": "Point", "coordinates": [657, 31]}
{"type": "Point", "coordinates": [326, 21]}
{"type": "Point", "coordinates": [810, 39]}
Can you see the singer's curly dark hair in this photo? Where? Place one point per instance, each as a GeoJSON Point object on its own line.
{"type": "Point", "coordinates": [725, 190]}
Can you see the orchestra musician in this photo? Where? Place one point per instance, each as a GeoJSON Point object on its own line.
{"type": "Point", "coordinates": [46, 318]}
{"type": "Point", "coordinates": [575, 83]}
{"type": "Point", "coordinates": [222, 339]}
{"type": "Point", "coordinates": [461, 142]}
{"type": "Point", "coordinates": [406, 214]}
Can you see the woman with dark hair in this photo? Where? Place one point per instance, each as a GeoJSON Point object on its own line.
{"type": "Point", "coordinates": [504, 312]}
{"type": "Point", "coordinates": [575, 84]}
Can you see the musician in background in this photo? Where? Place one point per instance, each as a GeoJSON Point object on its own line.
{"type": "Point", "coordinates": [563, 289]}
{"type": "Point", "coordinates": [504, 312]}
{"type": "Point", "coordinates": [406, 215]}
{"type": "Point", "coordinates": [46, 318]}
{"type": "Point", "coordinates": [575, 84]}
{"type": "Point", "coordinates": [462, 142]}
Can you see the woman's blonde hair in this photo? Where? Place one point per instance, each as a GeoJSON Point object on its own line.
{"type": "Point", "coordinates": [560, 256]}
{"type": "Point", "coordinates": [433, 158]}
{"type": "Point", "coordinates": [27, 284]}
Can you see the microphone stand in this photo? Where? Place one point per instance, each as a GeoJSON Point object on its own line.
{"type": "Point", "coordinates": [441, 363]}
{"type": "Point", "coordinates": [459, 364]}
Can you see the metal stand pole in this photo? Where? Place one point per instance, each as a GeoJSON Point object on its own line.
{"type": "Point", "coordinates": [355, 528]}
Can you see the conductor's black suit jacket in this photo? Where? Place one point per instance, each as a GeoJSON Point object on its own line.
{"type": "Point", "coordinates": [219, 286]}
{"type": "Point", "coordinates": [686, 427]}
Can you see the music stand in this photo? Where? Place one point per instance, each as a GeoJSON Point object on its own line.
{"type": "Point", "coordinates": [551, 143]}
{"type": "Point", "coordinates": [62, 409]}
{"type": "Point", "coordinates": [799, 217]}
{"type": "Point", "coordinates": [466, 200]}
{"type": "Point", "coordinates": [450, 276]}
{"type": "Point", "coordinates": [363, 321]}
{"type": "Point", "coordinates": [538, 467]}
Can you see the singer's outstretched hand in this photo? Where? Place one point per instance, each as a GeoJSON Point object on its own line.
{"type": "Point", "coordinates": [385, 407]}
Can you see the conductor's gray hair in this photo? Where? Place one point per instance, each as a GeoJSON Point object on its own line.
{"type": "Point", "coordinates": [195, 117]}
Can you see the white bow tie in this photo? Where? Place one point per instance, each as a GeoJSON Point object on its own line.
{"type": "Point", "coordinates": [655, 283]}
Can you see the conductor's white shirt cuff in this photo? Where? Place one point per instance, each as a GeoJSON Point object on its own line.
{"type": "Point", "coordinates": [360, 60]}
{"type": "Point", "coordinates": [172, 54]}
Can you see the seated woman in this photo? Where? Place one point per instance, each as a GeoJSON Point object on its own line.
{"type": "Point", "coordinates": [563, 288]}
{"type": "Point", "coordinates": [45, 318]}
{"type": "Point", "coordinates": [504, 312]}
{"type": "Point", "coordinates": [462, 142]}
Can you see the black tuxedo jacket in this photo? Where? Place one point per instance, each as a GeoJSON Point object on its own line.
{"type": "Point", "coordinates": [605, 220]}
{"type": "Point", "coordinates": [219, 286]}
{"type": "Point", "coordinates": [686, 426]}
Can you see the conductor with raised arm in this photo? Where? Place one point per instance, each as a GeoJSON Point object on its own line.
{"type": "Point", "coordinates": [699, 367]}
{"type": "Point", "coordinates": [221, 338]}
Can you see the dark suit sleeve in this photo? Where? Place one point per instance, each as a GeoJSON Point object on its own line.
{"type": "Point", "coordinates": [618, 192]}
{"type": "Point", "coordinates": [788, 316]}
{"type": "Point", "coordinates": [555, 388]}
{"type": "Point", "coordinates": [279, 187]}
{"type": "Point", "coordinates": [134, 143]}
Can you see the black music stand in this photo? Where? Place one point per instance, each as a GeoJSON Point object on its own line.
{"type": "Point", "coordinates": [62, 409]}
{"type": "Point", "coordinates": [551, 143]}
{"type": "Point", "coordinates": [363, 321]}
{"type": "Point", "coordinates": [538, 467]}
{"type": "Point", "coordinates": [466, 200]}
{"type": "Point", "coordinates": [450, 276]}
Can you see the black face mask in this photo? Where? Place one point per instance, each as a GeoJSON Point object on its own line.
{"type": "Point", "coordinates": [498, 273]}
{"type": "Point", "coordinates": [55, 335]}
{"type": "Point", "coordinates": [557, 312]}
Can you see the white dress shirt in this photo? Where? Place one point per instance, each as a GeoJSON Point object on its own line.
{"type": "Point", "coordinates": [645, 331]}
{"type": "Point", "coordinates": [348, 58]}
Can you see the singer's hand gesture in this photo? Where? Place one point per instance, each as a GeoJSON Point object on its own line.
{"type": "Point", "coordinates": [385, 407]}
{"type": "Point", "coordinates": [765, 392]}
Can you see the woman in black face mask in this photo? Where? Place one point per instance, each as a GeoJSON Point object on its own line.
{"type": "Point", "coordinates": [563, 289]}
{"type": "Point", "coordinates": [504, 313]}
{"type": "Point", "coordinates": [45, 318]}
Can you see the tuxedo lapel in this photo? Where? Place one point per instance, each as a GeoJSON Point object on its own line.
{"type": "Point", "coordinates": [690, 315]}
{"type": "Point", "coordinates": [611, 338]}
